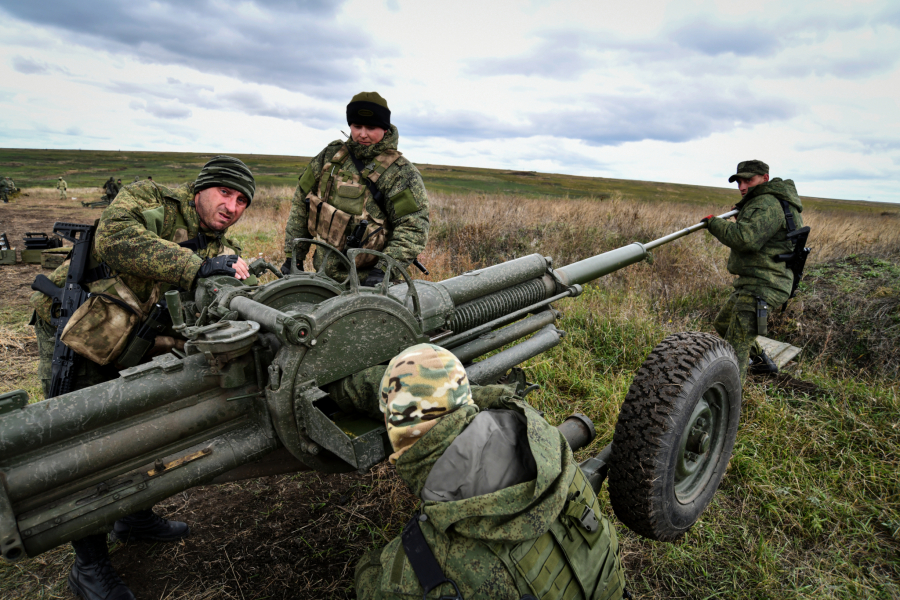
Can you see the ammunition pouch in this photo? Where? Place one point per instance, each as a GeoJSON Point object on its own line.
{"type": "Point", "coordinates": [99, 329]}
{"type": "Point", "coordinates": [332, 225]}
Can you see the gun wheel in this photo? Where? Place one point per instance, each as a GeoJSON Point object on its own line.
{"type": "Point", "coordinates": [674, 436]}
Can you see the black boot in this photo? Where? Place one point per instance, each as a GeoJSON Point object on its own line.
{"type": "Point", "coordinates": [93, 576]}
{"type": "Point", "coordinates": [763, 365]}
{"type": "Point", "coordinates": [147, 525]}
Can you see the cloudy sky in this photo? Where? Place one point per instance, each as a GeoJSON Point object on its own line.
{"type": "Point", "coordinates": [653, 90]}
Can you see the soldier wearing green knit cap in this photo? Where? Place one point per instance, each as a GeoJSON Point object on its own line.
{"type": "Point", "coordinates": [150, 239]}
{"type": "Point", "coordinates": [498, 486]}
{"type": "Point", "coordinates": [361, 179]}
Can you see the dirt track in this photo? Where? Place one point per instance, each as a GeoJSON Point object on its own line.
{"type": "Point", "coordinates": [294, 536]}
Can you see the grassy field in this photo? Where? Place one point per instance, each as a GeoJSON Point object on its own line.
{"type": "Point", "coordinates": [810, 506]}
{"type": "Point", "coordinates": [90, 168]}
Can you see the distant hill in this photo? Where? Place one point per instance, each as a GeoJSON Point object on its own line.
{"type": "Point", "coordinates": [90, 168]}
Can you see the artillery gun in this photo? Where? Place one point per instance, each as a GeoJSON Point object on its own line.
{"type": "Point", "coordinates": [257, 392]}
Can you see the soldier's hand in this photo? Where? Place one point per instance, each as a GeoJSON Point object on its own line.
{"type": "Point", "coordinates": [241, 269]}
{"type": "Point", "coordinates": [706, 219]}
{"type": "Point", "coordinates": [224, 264]}
{"type": "Point", "coordinates": [286, 267]}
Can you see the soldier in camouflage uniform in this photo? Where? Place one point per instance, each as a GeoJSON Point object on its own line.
{"type": "Point", "coordinates": [151, 239]}
{"type": "Point", "coordinates": [504, 503]}
{"type": "Point", "coordinates": [333, 196]}
{"type": "Point", "coordinates": [7, 187]}
{"type": "Point", "coordinates": [756, 238]}
{"type": "Point", "coordinates": [61, 186]}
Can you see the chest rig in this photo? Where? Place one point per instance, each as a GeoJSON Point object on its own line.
{"type": "Point", "coordinates": [577, 558]}
{"type": "Point", "coordinates": [343, 201]}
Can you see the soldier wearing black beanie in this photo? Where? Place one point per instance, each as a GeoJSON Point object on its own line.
{"type": "Point", "coordinates": [369, 108]}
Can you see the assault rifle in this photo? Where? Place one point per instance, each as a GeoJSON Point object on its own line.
{"type": "Point", "coordinates": [66, 300]}
{"type": "Point", "coordinates": [796, 260]}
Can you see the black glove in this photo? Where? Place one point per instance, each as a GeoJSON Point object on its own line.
{"type": "Point", "coordinates": [286, 267]}
{"type": "Point", "coordinates": [374, 277]}
{"type": "Point", "coordinates": [220, 265]}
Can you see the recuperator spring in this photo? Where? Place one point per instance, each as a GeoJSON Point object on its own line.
{"type": "Point", "coordinates": [493, 306]}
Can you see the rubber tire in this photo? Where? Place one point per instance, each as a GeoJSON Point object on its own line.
{"type": "Point", "coordinates": [652, 421]}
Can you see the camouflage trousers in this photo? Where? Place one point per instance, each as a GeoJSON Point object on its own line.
{"type": "Point", "coordinates": [62, 194]}
{"type": "Point", "coordinates": [87, 373]}
{"type": "Point", "coordinates": [4, 196]}
{"type": "Point", "coordinates": [736, 323]}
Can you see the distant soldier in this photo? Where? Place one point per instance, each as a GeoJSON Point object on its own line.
{"type": "Point", "coordinates": [149, 177]}
{"type": "Point", "coordinates": [110, 188]}
{"type": "Point", "coordinates": [7, 187]}
{"type": "Point", "coordinates": [362, 179]}
{"type": "Point", "coordinates": [61, 186]}
{"type": "Point", "coordinates": [118, 185]}
{"type": "Point", "coordinates": [505, 511]}
{"type": "Point", "coordinates": [136, 178]}
{"type": "Point", "coordinates": [757, 237]}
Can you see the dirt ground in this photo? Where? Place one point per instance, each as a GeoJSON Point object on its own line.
{"type": "Point", "coordinates": [296, 536]}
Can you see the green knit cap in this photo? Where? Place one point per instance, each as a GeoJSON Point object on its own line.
{"type": "Point", "coordinates": [226, 171]}
{"type": "Point", "coordinates": [369, 108]}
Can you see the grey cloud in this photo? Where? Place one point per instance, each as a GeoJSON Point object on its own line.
{"type": "Point", "coordinates": [695, 46]}
{"type": "Point", "coordinates": [246, 102]}
{"type": "Point", "coordinates": [614, 120]}
{"type": "Point", "coordinates": [560, 55]}
{"type": "Point", "coordinates": [163, 111]}
{"type": "Point", "coordinates": [742, 40]}
{"type": "Point", "coordinates": [29, 66]}
{"type": "Point", "coordinates": [288, 43]}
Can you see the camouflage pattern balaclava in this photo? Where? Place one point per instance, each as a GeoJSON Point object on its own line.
{"type": "Point", "coordinates": [421, 384]}
{"type": "Point", "coordinates": [225, 171]}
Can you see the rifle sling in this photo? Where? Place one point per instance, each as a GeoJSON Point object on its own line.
{"type": "Point", "coordinates": [426, 567]}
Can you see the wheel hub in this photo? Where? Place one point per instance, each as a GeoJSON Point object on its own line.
{"type": "Point", "coordinates": [701, 443]}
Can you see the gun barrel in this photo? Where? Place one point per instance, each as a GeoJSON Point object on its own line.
{"type": "Point", "coordinates": [594, 267]}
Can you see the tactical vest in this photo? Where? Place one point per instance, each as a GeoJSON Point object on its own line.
{"type": "Point", "coordinates": [568, 561]}
{"type": "Point", "coordinates": [343, 200]}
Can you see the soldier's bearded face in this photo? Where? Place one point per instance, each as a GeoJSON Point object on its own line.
{"type": "Point", "coordinates": [219, 207]}
{"type": "Point", "coordinates": [365, 135]}
{"type": "Point", "coordinates": [745, 184]}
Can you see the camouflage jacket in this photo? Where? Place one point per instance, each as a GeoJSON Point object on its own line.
{"type": "Point", "coordinates": [405, 210]}
{"type": "Point", "coordinates": [60, 184]}
{"type": "Point", "coordinates": [138, 238]}
{"type": "Point", "coordinates": [758, 236]}
{"type": "Point", "coordinates": [477, 539]}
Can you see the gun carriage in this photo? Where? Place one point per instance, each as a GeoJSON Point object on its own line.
{"type": "Point", "coordinates": [257, 392]}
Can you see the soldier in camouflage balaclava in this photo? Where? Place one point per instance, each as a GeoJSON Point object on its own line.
{"type": "Point", "coordinates": [496, 482]}
{"type": "Point", "coordinates": [421, 385]}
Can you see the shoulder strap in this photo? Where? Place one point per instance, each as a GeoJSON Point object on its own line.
{"type": "Point", "coordinates": [788, 216]}
{"type": "Point", "coordinates": [422, 560]}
